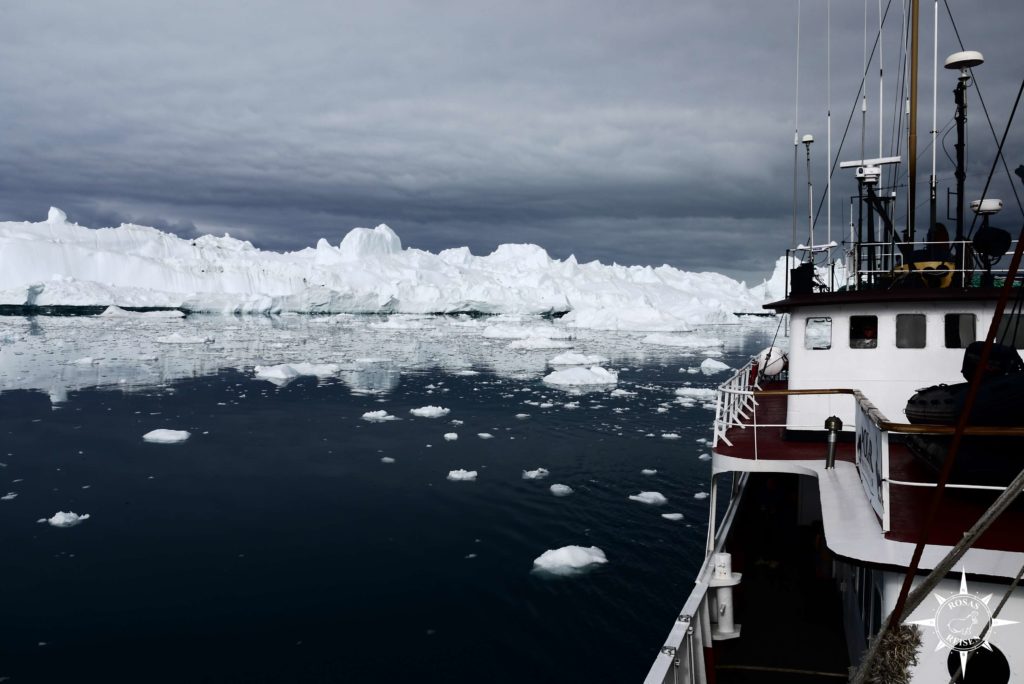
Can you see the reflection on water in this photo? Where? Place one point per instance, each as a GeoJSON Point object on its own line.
{"type": "Point", "coordinates": [58, 354]}
{"type": "Point", "coordinates": [288, 539]}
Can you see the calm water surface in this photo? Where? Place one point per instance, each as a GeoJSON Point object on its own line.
{"type": "Point", "coordinates": [274, 545]}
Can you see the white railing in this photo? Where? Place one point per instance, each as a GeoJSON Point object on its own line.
{"type": "Point", "coordinates": [681, 659]}
{"type": "Point", "coordinates": [733, 401]}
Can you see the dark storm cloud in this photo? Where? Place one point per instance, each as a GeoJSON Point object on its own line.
{"type": "Point", "coordinates": [651, 133]}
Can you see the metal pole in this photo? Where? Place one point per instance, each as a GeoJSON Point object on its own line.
{"type": "Point", "coordinates": [912, 124]}
{"type": "Point", "coordinates": [935, 108]}
{"type": "Point", "coordinates": [960, 94]}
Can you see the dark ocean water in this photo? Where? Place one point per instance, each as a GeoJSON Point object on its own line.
{"type": "Point", "coordinates": [274, 545]}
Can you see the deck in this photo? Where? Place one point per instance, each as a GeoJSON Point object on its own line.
{"type": "Point", "coordinates": [789, 607]}
{"type": "Point", "coordinates": [908, 505]}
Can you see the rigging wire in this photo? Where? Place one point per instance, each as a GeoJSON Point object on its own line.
{"type": "Point", "coordinates": [849, 120]}
{"type": "Point", "coordinates": [1009, 177]}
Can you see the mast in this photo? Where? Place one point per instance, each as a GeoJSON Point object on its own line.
{"type": "Point", "coordinates": [912, 137]}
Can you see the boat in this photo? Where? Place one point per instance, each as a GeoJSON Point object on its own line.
{"type": "Point", "coordinates": [846, 542]}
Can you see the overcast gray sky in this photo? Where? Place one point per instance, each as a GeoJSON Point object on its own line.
{"type": "Point", "coordinates": [639, 132]}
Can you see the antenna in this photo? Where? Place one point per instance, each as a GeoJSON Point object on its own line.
{"type": "Point", "coordinates": [964, 62]}
{"type": "Point", "coordinates": [807, 140]}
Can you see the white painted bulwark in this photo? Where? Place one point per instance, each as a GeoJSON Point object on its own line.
{"type": "Point", "coordinates": [873, 464]}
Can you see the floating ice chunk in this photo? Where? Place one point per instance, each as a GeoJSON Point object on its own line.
{"type": "Point", "coordinates": [571, 405]}
{"type": "Point", "coordinates": [569, 560]}
{"type": "Point", "coordinates": [456, 422]}
{"type": "Point", "coordinates": [648, 471]}
{"type": "Point", "coordinates": [711, 367]}
{"type": "Point", "coordinates": [701, 495]}
{"type": "Point", "coordinates": [65, 519]}
{"type": "Point", "coordinates": [178, 338]}
{"type": "Point", "coordinates": [651, 498]}
{"type": "Point", "coordinates": [576, 359]}
{"type": "Point", "coordinates": [386, 459]}
{"type": "Point", "coordinates": [429, 412]}
{"type": "Point", "coordinates": [705, 457]}
{"type": "Point", "coordinates": [283, 373]}
{"type": "Point", "coordinates": [522, 416]}
{"type": "Point", "coordinates": [8, 496]}
{"type": "Point", "coordinates": [379, 416]}
{"type": "Point", "coordinates": [622, 393]}
{"type": "Point", "coordinates": [450, 436]}
{"type": "Point", "coordinates": [485, 435]}
{"type": "Point", "coordinates": [538, 474]}
{"type": "Point", "coordinates": [163, 436]}
{"type": "Point", "coordinates": [672, 516]}
{"type": "Point", "coordinates": [461, 475]}
{"type": "Point", "coordinates": [669, 435]}
{"type": "Point", "coordinates": [466, 372]}
{"type": "Point", "coordinates": [561, 489]}
{"type": "Point", "coordinates": [118, 312]}
{"type": "Point", "coordinates": [697, 393]}
{"type": "Point", "coordinates": [580, 376]}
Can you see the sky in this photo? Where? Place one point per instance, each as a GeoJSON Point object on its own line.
{"type": "Point", "coordinates": [637, 133]}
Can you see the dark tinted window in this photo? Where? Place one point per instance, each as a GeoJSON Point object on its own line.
{"type": "Point", "coordinates": [1011, 330]}
{"type": "Point", "coordinates": [960, 330]}
{"type": "Point", "coordinates": [911, 331]}
{"type": "Point", "coordinates": [863, 332]}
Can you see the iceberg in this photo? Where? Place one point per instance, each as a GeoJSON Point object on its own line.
{"type": "Point", "coordinates": [58, 262]}
{"type": "Point", "coordinates": [569, 559]}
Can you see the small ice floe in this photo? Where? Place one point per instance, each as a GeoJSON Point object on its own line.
{"type": "Point", "coordinates": [8, 496]}
{"type": "Point", "coordinates": [283, 373]}
{"type": "Point", "coordinates": [578, 376]}
{"type": "Point", "coordinates": [662, 409]}
{"type": "Point", "coordinates": [538, 474]}
{"type": "Point", "coordinates": [569, 560]}
{"type": "Point", "coordinates": [65, 519]}
{"type": "Point", "coordinates": [571, 405]}
{"type": "Point", "coordinates": [705, 457]}
{"type": "Point", "coordinates": [522, 416]}
{"type": "Point", "coordinates": [485, 435]}
{"type": "Point", "coordinates": [466, 372]}
{"type": "Point", "coordinates": [379, 416]}
{"type": "Point", "coordinates": [576, 359]}
{"type": "Point", "coordinates": [461, 475]}
{"type": "Point", "coordinates": [669, 435]}
{"type": "Point", "coordinates": [560, 489]}
{"type": "Point", "coordinates": [429, 412]}
{"type": "Point", "coordinates": [712, 366]}
{"type": "Point", "coordinates": [672, 516]}
{"type": "Point", "coordinates": [701, 496]}
{"type": "Point", "coordinates": [648, 471]}
{"type": "Point", "coordinates": [386, 459]}
{"type": "Point", "coordinates": [618, 392]}
{"type": "Point", "coordinates": [456, 422]}
{"type": "Point", "coordinates": [450, 436]}
{"type": "Point", "coordinates": [178, 338]}
{"type": "Point", "coordinates": [163, 436]}
{"type": "Point", "coordinates": [696, 393]}
{"type": "Point", "coordinates": [118, 312]}
{"type": "Point", "coordinates": [650, 498]}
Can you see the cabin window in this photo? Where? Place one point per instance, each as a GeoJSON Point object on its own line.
{"type": "Point", "coordinates": [863, 332]}
{"type": "Point", "coordinates": [960, 330]}
{"type": "Point", "coordinates": [818, 333]}
{"type": "Point", "coordinates": [911, 331]}
{"type": "Point", "coordinates": [1011, 330]}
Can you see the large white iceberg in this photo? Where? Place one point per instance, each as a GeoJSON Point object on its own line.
{"type": "Point", "coordinates": [55, 262]}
